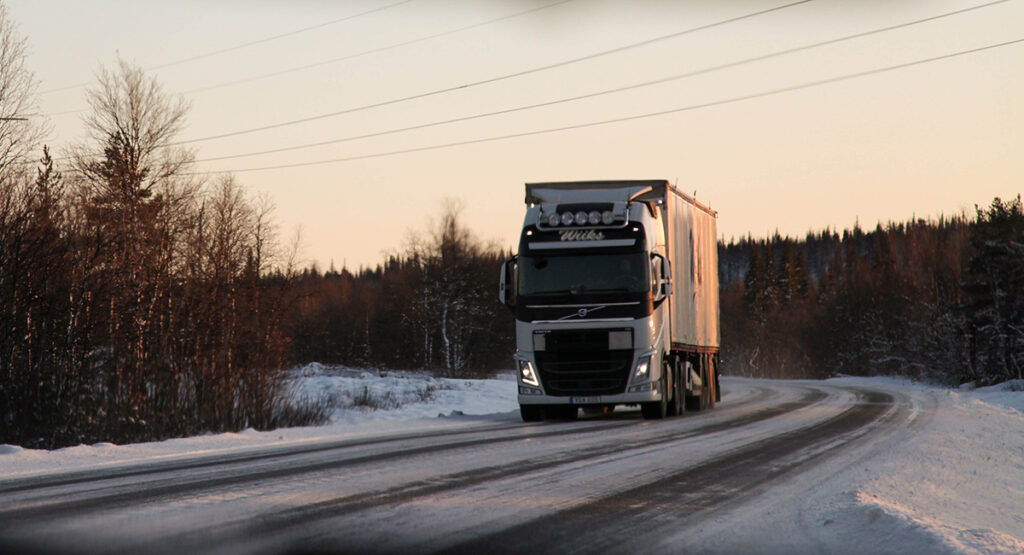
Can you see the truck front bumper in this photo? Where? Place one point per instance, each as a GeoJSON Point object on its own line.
{"type": "Point", "coordinates": [595, 400]}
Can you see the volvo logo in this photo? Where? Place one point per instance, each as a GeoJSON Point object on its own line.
{"type": "Point", "coordinates": [580, 235]}
{"type": "Point", "coordinates": [582, 313]}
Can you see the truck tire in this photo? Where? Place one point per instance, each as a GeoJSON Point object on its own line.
{"type": "Point", "coordinates": [693, 402]}
{"type": "Point", "coordinates": [530, 413]}
{"type": "Point", "coordinates": [713, 390]}
{"type": "Point", "coordinates": [703, 400]}
{"type": "Point", "coordinates": [718, 380]}
{"type": "Point", "coordinates": [677, 406]}
{"type": "Point", "coordinates": [655, 410]}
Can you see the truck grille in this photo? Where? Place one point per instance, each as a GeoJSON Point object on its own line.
{"type": "Point", "coordinates": [580, 363]}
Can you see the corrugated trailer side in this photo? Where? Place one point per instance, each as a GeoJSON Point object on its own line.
{"type": "Point", "coordinates": [691, 238]}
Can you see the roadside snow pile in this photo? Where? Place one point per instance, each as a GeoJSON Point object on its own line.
{"type": "Point", "coordinates": [404, 401]}
{"type": "Point", "coordinates": [945, 476]}
{"type": "Point", "coordinates": [359, 395]}
{"type": "Point", "coordinates": [955, 480]}
{"type": "Point", "coordinates": [1008, 394]}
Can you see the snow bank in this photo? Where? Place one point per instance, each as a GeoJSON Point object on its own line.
{"type": "Point", "coordinates": [409, 401]}
{"type": "Point", "coordinates": [359, 395]}
{"type": "Point", "coordinates": [1009, 394]}
{"type": "Point", "coordinates": [950, 481]}
{"type": "Point", "coordinates": [960, 477]}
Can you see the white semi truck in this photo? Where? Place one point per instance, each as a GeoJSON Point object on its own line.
{"type": "Point", "coordinates": [615, 294]}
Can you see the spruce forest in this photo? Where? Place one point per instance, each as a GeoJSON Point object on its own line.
{"type": "Point", "coordinates": [940, 301]}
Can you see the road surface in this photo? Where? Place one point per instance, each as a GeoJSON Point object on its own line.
{"type": "Point", "coordinates": [609, 483]}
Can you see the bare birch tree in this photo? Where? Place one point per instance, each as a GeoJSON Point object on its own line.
{"type": "Point", "coordinates": [21, 128]}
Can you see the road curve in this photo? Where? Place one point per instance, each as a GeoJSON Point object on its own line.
{"type": "Point", "coordinates": [600, 484]}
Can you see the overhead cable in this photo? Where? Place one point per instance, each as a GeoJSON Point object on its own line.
{"type": "Point", "coordinates": [356, 54]}
{"type": "Point", "coordinates": [492, 79]}
{"type": "Point", "coordinates": [607, 91]}
{"type": "Point", "coordinates": [244, 45]}
{"type": "Point", "coordinates": [647, 115]}
{"type": "Point", "coordinates": [375, 50]}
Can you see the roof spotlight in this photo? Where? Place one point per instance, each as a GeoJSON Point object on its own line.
{"type": "Point", "coordinates": [553, 220]}
{"type": "Point", "coordinates": [594, 217]}
{"type": "Point", "coordinates": [567, 218]}
{"type": "Point", "coordinates": [581, 218]}
{"type": "Point", "coordinates": [607, 217]}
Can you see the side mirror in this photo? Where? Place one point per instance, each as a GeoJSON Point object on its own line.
{"type": "Point", "coordinates": [507, 283]}
{"type": "Point", "coordinates": [666, 273]}
{"type": "Point", "coordinates": [661, 271]}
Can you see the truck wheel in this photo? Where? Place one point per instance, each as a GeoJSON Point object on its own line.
{"type": "Point", "coordinates": [680, 390]}
{"type": "Point", "coordinates": [655, 410]}
{"type": "Point", "coordinates": [718, 384]}
{"type": "Point", "coordinates": [709, 384]}
{"type": "Point", "coordinates": [713, 390]}
{"type": "Point", "coordinates": [700, 401]}
{"type": "Point", "coordinates": [704, 397]}
{"type": "Point", "coordinates": [530, 413]}
{"type": "Point", "coordinates": [693, 402]}
{"type": "Point", "coordinates": [676, 406]}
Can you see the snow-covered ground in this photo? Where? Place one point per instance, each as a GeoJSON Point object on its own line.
{"type": "Point", "coordinates": [408, 402]}
{"type": "Point", "coordinates": [952, 480]}
{"type": "Point", "coordinates": [360, 396]}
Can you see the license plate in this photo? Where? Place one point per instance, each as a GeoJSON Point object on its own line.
{"type": "Point", "coordinates": [584, 400]}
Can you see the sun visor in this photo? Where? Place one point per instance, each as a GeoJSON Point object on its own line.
{"type": "Point", "coordinates": [594, 191]}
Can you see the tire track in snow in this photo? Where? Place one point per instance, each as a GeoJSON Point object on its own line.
{"type": "Point", "coordinates": [146, 469]}
{"type": "Point", "coordinates": [676, 501]}
{"type": "Point", "coordinates": [280, 523]}
{"type": "Point", "coordinates": [62, 504]}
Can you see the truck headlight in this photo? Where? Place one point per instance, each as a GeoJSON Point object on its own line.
{"type": "Point", "coordinates": [527, 373]}
{"type": "Point", "coordinates": [643, 367]}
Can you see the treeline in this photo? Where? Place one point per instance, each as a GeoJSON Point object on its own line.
{"type": "Point", "coordinates": [432, 306]}
{"type": "Point", "coordinates": [134, 298]}
{"type": "Point", "coordinates": [941, 301]}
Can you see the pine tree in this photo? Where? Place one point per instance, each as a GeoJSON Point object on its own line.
{"type": "Point", "coordinates": [754, 285]}
{"type": "Point", "coordinates": [995, 288]}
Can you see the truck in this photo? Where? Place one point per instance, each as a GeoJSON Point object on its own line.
{"type": "Point", "coordinates": [615, 293]}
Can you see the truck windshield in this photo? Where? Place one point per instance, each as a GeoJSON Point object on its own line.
{"type": "Point", "coordinates": [581, 274]}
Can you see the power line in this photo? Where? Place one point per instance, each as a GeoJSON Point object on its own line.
{"type": "Point", "coordinates": [626, 118]}
{"type": "Point", "coordinates": [492, 79]}
{"type": "Point", "coordinates": [610, 91]}
{"type": "Point", "coordinates": [375, 50]}
{"type": "Point", "coordinates": [245, 44]}
{"type": "Point", "coordinates": [355, 55]}
{"type": "Point", "coordinates": [283, 35]}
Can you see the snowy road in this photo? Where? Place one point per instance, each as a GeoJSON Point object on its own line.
{"type": "Point", "coordinates": [611, 483]}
